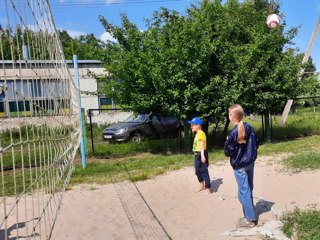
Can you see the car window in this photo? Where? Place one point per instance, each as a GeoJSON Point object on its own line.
{"type": "Point", "coordinates": [137, 118]}
{"type": "Point", "coordinates": [155, 119]}
{"type": "Point", "coordinates": [169, 118]}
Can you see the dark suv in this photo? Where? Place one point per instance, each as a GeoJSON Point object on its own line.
{"type": "Point", "coordinates": [142, 126]}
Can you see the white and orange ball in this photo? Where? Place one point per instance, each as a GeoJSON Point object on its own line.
{"type": "Point", "coordinates": [273, 21]}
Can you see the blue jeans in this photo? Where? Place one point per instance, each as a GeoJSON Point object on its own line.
{"type": "Point", "coordinates": [244, 177]}
{"type": "Point", "coordinates": [201, 169]}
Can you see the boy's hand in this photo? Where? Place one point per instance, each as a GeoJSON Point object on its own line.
{"type": "Point", "coordinates": [203, 158]}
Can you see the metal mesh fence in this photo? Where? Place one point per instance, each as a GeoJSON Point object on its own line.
{"type": "Point", "coordinates": [39, 123]}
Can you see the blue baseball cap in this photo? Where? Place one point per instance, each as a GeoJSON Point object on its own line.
{"type": "Point", "coordinates": [196, 121]}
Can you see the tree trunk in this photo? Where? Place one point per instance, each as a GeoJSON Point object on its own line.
{"type": "Point", "coordinates": [216, 126]}
{"type": "Point", "coordinates": [205, 127]}
{"type": "Point", "coordinates": [225, 130]}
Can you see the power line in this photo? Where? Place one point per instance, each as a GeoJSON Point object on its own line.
{"type": "Point", "coordinates": [114, 4]}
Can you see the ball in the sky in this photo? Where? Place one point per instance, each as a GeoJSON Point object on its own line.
{"type": "Point", "coordinates": [273, 21]}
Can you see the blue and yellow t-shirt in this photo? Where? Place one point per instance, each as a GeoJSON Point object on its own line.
{"type": "Point", "coordinates": [200, 136]}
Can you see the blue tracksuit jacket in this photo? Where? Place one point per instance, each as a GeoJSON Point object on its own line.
{"type": "Point", "coordinates": [241, 155]}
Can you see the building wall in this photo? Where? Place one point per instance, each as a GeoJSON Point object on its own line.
{"type": "Point", "coordinates": [30, 92]}
{"type": "Point", "coordinates": [88, 83]}
{"type": "Point", "coordinates": [88, 101]}
{"type": "Point", "coordinates": [29, 88]}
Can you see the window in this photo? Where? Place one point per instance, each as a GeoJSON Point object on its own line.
{"type": "Point", "coordinates": [1, 107]}
{"type": "Point", "coordinates": [105, 101]}
{"type": "Point", "coordinates": [21, 107]}
{"type": "Point", "coordinates": [33, 95]}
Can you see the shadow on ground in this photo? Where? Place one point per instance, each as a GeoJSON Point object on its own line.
{"type": "Point", "coordinates": [262, 206]}
{"type": "Point", "coordinates": [215, 184]}
{"type": "Point", "coordinates": [13, 228]}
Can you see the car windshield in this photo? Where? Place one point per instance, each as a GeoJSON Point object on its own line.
{"type": "Point", "coordinates": [137, 118]}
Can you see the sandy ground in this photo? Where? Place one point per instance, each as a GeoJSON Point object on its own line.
{"type": "Point", "coordinates": [114, 211]}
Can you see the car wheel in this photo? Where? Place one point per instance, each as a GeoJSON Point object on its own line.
{"type": "Point", "coordinates": [136, 137]}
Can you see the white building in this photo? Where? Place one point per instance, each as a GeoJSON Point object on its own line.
{"type": "Point", "coordinates": [89, 85]}
{"type": "Point", "coordinates": [25, 87]}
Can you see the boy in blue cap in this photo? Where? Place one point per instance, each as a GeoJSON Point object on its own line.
{"type": "Point", "coordinates": [201, 158]}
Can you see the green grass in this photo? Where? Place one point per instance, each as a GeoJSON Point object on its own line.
{"type": "Point", "coordinates": [20, 180]}
{"type": "Point", "coordinates": [293, 146]}
{"type": "Point", "coordinates": [147, 166]}
{"type": "Point", "coordinates": [25, 177]}
{"type": "Point", "coordinates": [105, 149]}
{"type": "Point", "coordinates": [165, 154]}
{"type": "Point", "coordinates": [97, 131]}
{"type": "Point", "coordinates": [23, 158]}
{"type": "Point", "coordinates": [303, 225]}
{"type": "Point", "coordinates": [303, 123]}
{"type": "Point", "coordinates": [140, 168]}
{"type": "Point", "coordinates": [33, 132]}
{"type": "Point", "coordinates": [41, 151]}
{"type": "Point", "coordinates": [304, 160]}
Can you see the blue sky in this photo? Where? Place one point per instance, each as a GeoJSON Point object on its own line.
{"type": "Point", "coordinates": [81, 20]}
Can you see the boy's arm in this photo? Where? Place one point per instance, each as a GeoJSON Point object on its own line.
{"type": "Point", "coordinates": [230, 145]}
{"type": "Point", "coordinates": [203, 158]}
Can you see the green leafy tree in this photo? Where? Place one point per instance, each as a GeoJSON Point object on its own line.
{"type": "Point", "coordinates": [202, 62]}
{"type": "Point", "coordinates": [69, 44]}
{"type": "Point", "coordinates": [310, 67]}
{"type": "Point", "coordinates": [258, 64]}
{"type": "Point", "coordinates": [310, 84]}
{"type": "Point", "coordinates": [86, 46]}
{"type": "Point", "coordinates": [166, 68]}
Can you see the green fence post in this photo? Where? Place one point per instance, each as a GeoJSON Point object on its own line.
{"type": "Point", "coordinates": [84, 130]}
{"type": "Point", "coordinates": [267, 126]}
{"type": "Point", "coordinates": [187, 136]}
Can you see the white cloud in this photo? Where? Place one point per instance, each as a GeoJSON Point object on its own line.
{"type": "Point", "coordinates": [40, 26]}
{"type": "Point", "coordinates": [75, 33]}
{"type": "Point", "coordinates": [113, 1]}
{"type": "Point", "coordinates": [107, 37]}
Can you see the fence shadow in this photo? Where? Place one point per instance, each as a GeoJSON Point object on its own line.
{"type": "Point", "coordinates": [13, 228]}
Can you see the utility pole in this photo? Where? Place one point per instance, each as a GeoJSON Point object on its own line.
{"type": "Point", "coordinates": [305, 60]}
{"type": "Point", "coordinates": [82, 141]}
